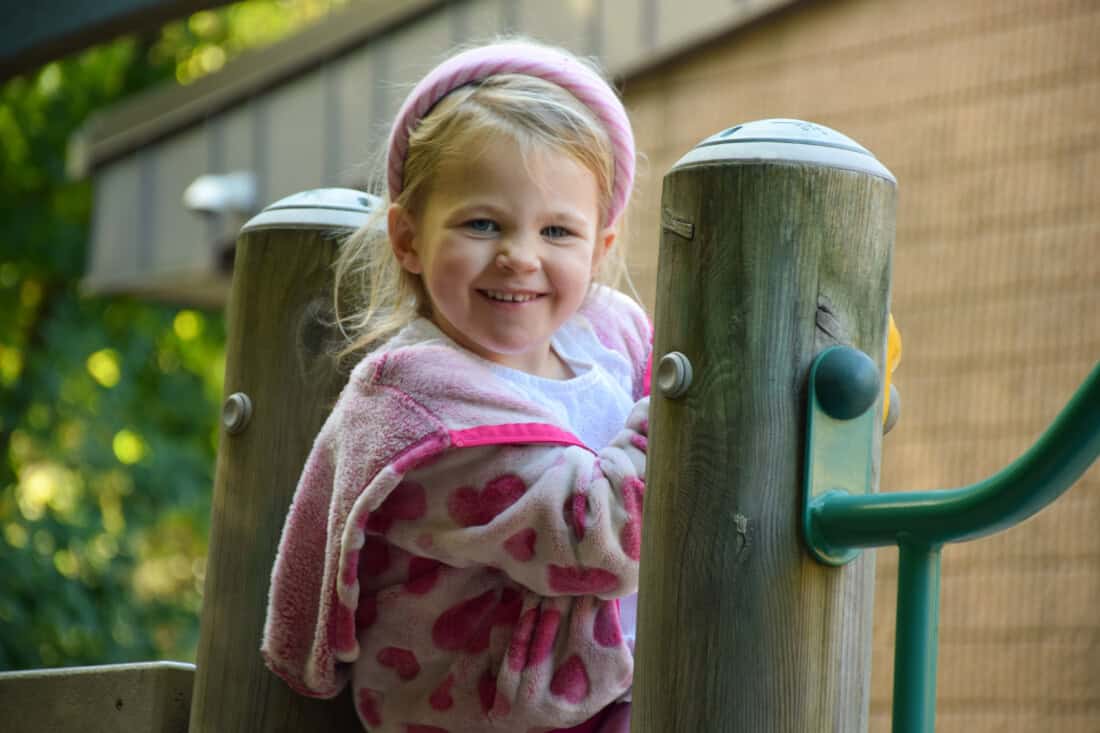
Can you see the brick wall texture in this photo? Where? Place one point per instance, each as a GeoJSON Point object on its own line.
{"type": "Point", "coordinates": [988, 113]}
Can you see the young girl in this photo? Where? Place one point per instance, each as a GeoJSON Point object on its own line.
{"type": "Point", "coordinates": [470, 514]}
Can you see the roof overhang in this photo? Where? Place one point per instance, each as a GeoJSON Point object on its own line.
{"type": "Point", "coordinates": [34, 33]}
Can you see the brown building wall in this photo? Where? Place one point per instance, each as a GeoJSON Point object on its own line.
{"type": "Point", "coordinates": [988, 113]}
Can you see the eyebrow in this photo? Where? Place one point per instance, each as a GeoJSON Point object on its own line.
{"type": "Point", "coordinates": [477, 208]}
{"type": "Point", "coordinates": [573, 220]}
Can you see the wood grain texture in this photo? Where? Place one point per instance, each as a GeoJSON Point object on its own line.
{"type": "Point", "coordinates": [113, 698]}
{"type": "Point", "coordinates": [740, 630]}
{"type": "Point", "coordinates": [275, 354]}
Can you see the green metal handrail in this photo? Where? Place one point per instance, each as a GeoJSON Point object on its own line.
{"type": "Point", "coordinates": [839, 517]}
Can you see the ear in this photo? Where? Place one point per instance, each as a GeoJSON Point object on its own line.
{"type": "Point", "coordinates": [402, 232]}
{"type": "Point", "coordinates": [604, 239]}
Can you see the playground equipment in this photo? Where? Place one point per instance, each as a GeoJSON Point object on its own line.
{"type": "Point", "coordinates": [281, 383]}
{"type": "Point", "coordinates": [776, 243]}
{"type": "Point", "coordinates": [766, 433]}
{"type": "Point", "coordinates": [148, 697]}
{"type": "Point", "coordinates": [839, 516]}
{"type": "Point", "coordinates": [780, 234]}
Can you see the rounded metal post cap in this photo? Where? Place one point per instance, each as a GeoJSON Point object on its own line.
{"type": "Point", "coordinates": [846, 382]}
{"type": "Point", "coordinates": [320, 208]}
{"type": "Point", "coordinates": [786, 140]}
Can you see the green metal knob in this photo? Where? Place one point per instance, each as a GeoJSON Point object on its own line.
{"type": "Point", "coordinates": [846, 382]}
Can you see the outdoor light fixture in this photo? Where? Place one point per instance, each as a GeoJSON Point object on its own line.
{"type": "Point", "coordinates": [222, 193]}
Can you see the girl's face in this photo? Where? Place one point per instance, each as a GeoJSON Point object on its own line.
{"type": "Point", "coordinates": [506, 246]}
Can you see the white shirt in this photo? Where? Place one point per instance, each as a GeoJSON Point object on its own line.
{"type": "Point", "coordinates": [595, 402]}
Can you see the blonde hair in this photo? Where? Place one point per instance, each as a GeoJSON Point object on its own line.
{"type": "Point", "coordinates": [374, 296]}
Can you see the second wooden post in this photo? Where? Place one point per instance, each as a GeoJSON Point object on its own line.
{"type": "Point", "coordinates": [776, 242]}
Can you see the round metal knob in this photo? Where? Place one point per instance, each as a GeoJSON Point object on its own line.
{"type": "Point", "coordinates": [673, 375]}
{"type": "Point", "coordinates": [847, 382]}
{"type": "Point", "coordinates": [236, 412]}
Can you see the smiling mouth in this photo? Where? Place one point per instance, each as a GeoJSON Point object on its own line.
{"type": "Point", "coordinates": [505, 297]}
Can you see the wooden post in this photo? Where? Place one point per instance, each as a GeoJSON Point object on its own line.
{"type": "Point", "coordinates": [776, 242]}
{"type": "Point", "coordinates": [277, 359]}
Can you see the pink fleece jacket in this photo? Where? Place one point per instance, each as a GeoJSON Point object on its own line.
{"type": "Point", "coordinates": [456, 554]}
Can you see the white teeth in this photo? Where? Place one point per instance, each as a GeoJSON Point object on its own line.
{"type": "Point", "coordinates": [509, 297]}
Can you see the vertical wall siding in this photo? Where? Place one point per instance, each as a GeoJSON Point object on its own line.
{"type": "Point", "coordinates": [297, 120]}
{"type": "Point", "coordinates": [624, 32]}
{"type": "Point", "coordinates": [334, 118]}
{"type": "Point", "coordinates": [479, 19]}
{"type": "Point", "coordinates": [116, 190]}
{"type": "Point", "coordinates": [988, 112]}
{"type": "Point", "coordinates": [172, 167]}
{"type": "Point", "coordinates": [564, 23]}
{"type": "Point", "coordinates": [236, 133]}
{"type": "Point", "coordinates": [356, 76]}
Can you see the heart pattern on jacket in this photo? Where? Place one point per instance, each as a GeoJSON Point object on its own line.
{"type": "Point", "coordinates": [402, 661]}
{"type": "Point", "coordinates": [469, 507]}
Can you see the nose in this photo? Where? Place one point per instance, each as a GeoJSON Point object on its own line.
{"type": "Point", "coordinates": [518, 254]}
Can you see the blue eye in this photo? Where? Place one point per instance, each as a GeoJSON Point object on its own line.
{"type": "Point", "coordinates": [556, 232]}
{"type": "Point", "coordinates": [482, 226]}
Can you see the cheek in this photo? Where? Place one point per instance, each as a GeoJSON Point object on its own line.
{"type": "Point", "coordinates": [453, 263]}
{"type": "Point", "coordinates": [577, 270]}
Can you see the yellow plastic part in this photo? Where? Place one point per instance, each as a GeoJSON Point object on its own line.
{"type": "Point", "coordinates": [893, 358]}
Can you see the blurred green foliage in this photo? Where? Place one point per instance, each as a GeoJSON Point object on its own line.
{"type": "Point", "coordinates": [108, 405]}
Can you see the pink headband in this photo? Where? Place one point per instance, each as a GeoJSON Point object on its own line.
{"type": "Point", "coordinates": [517, 57]}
